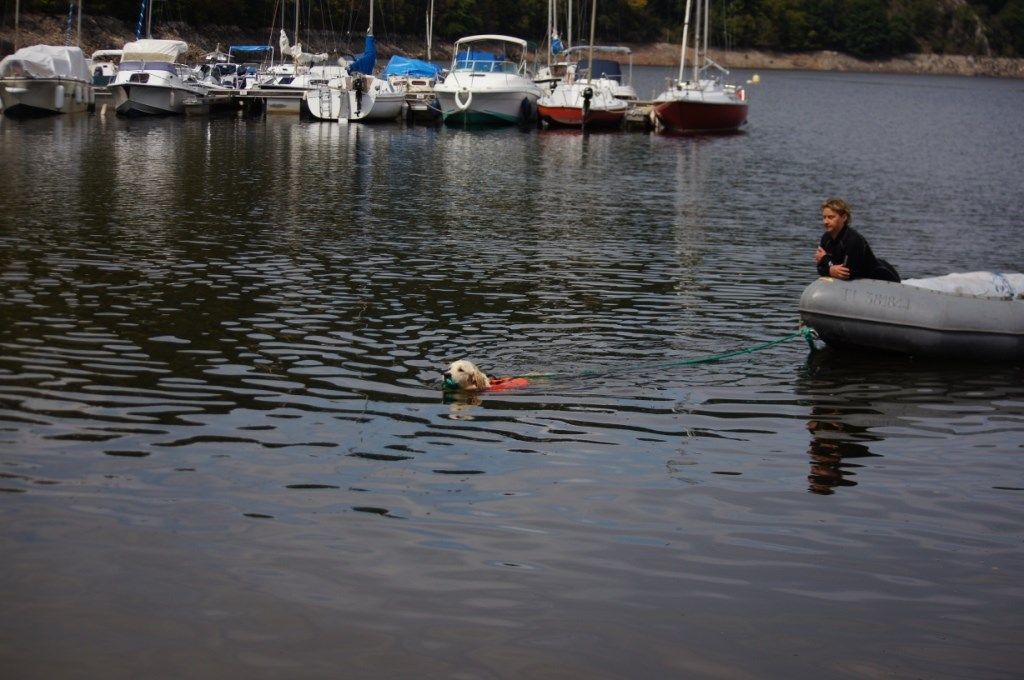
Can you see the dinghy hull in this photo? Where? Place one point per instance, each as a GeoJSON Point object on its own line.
{"type": "Point", "coordinates": [893, 317]}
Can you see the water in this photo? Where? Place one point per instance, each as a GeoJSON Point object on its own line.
{"type": "Point", "coordinates": [224, 451]}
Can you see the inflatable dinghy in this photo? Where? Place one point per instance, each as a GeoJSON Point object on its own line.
{"type": "Point", "coordinates": [941, 320]}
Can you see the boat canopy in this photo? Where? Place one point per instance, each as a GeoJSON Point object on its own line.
{"type": "Point", "coordinates": [603, 68]}
{"type": "Point", "coordinates": [46, 61]}
{"type": "Point", "coordinates": [105, 54]}
{"type": "Point", "coordinates": [404, 66]}
{"type": "Point", "coordinates": [616, 49]}
{"type": "Point", "coordinates": [153, 50]}
{"type": "Point", "coordinates": [365, 62]}
{"type": "Point", "coordinates": [491, 36]}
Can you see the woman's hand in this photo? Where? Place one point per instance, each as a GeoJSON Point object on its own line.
{"type": "Point", "coordinates": [819, 255]}
{"type": "Point", "coordinates": [839, 271]}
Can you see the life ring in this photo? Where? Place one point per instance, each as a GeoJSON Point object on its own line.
{"type": "Point", "coordinates": [458, 100]}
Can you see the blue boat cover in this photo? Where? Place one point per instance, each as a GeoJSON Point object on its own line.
{"type": "Point", "coordinates": [404, 66]}
{"type": "Point", "coordinates": [468, 58]}
{"type": "Point", "coordinates": [365, 62]}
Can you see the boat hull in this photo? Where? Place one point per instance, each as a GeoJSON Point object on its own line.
{"type": "Point", "coordinates": [701, 116]}
{"type": "Point", "coordinates": [571, 116]}
{"type": "Point", "coordinates": [491, 107]}
{"type": "Point", "coordinates": [32, 97]}
{"type": "Point", "coordinates": [134, 99]}
{"type": "Point", "coordinates": [893, 317]}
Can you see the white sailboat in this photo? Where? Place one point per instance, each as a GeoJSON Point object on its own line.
{"type": "Point", "coordinates": [357, 95]}
{"type": "Point", "coordinates": [703, 103]}
{"type": "Point", "coordinates": [587, 100]}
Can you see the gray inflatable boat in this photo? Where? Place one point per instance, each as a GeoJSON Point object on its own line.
{"type": "Point", "coordinates": [895, 317]}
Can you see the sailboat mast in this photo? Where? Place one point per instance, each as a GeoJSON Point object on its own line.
{"type": "Point", "coordinates": [707, 14]}
{"type": "Point", "coordinates": [149, 18]}
{"type": "Point", "coordinates": [551, 30]}
{"type": "Point", "coordinates": [682, 49]}
{"type": "Point", "coordinates": [590, 55]}
{"type": "Point", "coordinates": [296, 22]}
{"type": "Point", "coordinates": [430, 28]}
{"type": "Point", "coordinates": [78, 29]}
{"type": "Point", "coordinates": [696, 44]}
{"type": "Point", "coordinates": [369, 31]}
{"type": "Point", "coordinates": [568, 27]}
{"type": "Point", "coordinates": [17, 23]}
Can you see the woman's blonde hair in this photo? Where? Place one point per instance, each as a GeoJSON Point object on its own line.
{"type": "Point", "coordinates": [839, 206]}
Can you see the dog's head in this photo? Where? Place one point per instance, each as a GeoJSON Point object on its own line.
{"type": "Point", "coordinates": [464, 375]}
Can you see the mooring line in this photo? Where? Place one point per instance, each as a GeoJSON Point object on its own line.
{"type": "Point", "coordinates": [806, 333]}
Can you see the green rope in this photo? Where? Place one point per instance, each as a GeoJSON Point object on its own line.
{"type": "Point", "coordinates": [804, 332]}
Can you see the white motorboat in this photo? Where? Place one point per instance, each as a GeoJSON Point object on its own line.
{"type": "Point", "coordinates": [488, 83]}
{"type": "Point", "coordinates": [930, 317]}
{"type": "Point", "coordinates": [150, 81]}
{"type": "Point", "coordinates": [45, 79]}
{"type": "Point", "coordinates": [103, 64]}
{"type": "Point", "coordinates": [416, 79]}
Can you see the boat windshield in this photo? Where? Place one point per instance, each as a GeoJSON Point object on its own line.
{"type": "Point", "coordinates": [149, 66]}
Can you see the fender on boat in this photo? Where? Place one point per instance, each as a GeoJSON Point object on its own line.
{"type": "Point", "coordinates": [894, 317]}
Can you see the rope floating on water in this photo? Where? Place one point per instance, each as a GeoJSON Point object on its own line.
{"type": "Point", "coordinates": [806, 333]}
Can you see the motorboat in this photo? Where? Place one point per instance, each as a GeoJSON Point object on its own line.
{"type": "Point", "coordinates": [416, 79]}
{"type": "Point", "coordinates": [45, 79]}
{"type": "Point", "coordinates": [103, 64]}
{"type": "Point", "coordinates": [150, 80]}
{"type": "Point", "coordinates": [704, 102]}
{"type": "Point", "coordinates": [939, 316]}
{"type": "Point", "coordinates": [488, 83]}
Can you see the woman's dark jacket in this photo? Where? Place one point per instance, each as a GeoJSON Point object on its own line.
{"type": "Point", "coordinates": [852, 249]}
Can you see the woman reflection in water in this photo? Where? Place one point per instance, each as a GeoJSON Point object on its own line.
{"type": "Point", "coordinates": [843, 253]}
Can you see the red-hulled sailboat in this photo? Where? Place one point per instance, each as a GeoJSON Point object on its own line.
{"type": "Point", "coordinates": [704, 103]}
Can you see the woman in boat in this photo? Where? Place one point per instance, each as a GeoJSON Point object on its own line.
{"type": "Point", "coordinates": [843, 253]}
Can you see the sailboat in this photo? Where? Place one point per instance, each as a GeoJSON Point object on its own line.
{"type": "Point", "coordinates": [703, 103]}
{"type": "Point", "coordinates": [357, 95]}
{"type": "Point", "coordinates": [586, 101]}
{"type": "Point", "coordinates": [45, 79]}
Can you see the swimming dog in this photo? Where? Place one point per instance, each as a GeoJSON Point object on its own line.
{"type": "Point", "coordinates": [464, 375]}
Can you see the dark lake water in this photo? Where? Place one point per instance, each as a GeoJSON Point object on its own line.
{"type": "Point", "coordinates": [224, 451]}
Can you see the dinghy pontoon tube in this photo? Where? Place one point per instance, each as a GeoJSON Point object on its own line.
{"type": "Point", "coordinates": [897, 317]}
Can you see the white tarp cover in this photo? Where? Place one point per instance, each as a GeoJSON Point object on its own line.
{"type": "Point", "coordinates": [983, 284]}
{"type": "Point", "coordinates": [46, 61]}
{"type": "Point", "coordinates": [153, 50]}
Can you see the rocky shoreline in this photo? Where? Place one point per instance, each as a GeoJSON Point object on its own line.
{"type": "Point", "coordinates": [107, 33]}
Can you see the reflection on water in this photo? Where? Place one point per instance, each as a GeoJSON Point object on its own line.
{"type": "Point", "coordinates": [219, 399]}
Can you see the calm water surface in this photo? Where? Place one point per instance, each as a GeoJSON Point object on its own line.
{"type": "Point", "coordinates": [224, 451]}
